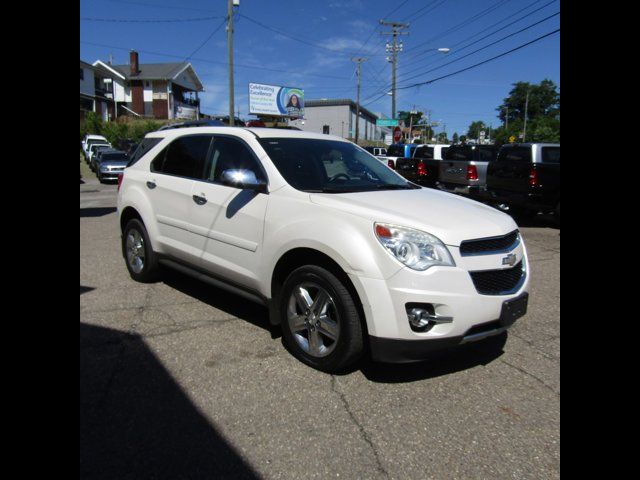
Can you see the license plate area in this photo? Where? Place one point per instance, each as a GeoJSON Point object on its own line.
{"type": "Point", "coordinates": [513, 309]}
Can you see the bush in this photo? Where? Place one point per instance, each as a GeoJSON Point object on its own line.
{"type": "Point", "coordinates": [118, 130]}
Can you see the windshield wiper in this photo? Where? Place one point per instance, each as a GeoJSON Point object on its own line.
{"type": "Point", "coordinates": [396, 187]}
{"type": "Point", "coordinates": [329, 190]}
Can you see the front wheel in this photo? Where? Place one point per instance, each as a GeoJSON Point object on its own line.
{"type": "Point", "coordinates": [141, 260]}
{"type": "Point", "coordinates": [321, 325]}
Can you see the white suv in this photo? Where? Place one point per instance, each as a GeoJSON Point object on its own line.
{"type": "Point", "coordinates": [347, 255]}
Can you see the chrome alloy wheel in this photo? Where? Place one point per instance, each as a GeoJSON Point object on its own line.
{"type": "Point", "coordinates": [313, 319]}
{"type": "Point", "coordinates": [135, 250]}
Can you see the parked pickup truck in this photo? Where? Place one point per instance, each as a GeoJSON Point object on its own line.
{"type": "Point", "coordinates": [423, 168]}
{"type": "Point", "coordinates": [379, 152]}
{"type": "Point", "coordinates": [526, 177]}
{"type": "Point", "coordinates": [399, 150]}
{"type": "Point", "coordinates": [464, 168]}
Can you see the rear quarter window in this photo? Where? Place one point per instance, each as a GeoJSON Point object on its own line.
{"type": "Point", "coordinates": [146, 145]}
{"type": "Point", "coordinates": [551, 154]}
{"type": "Point", "coordinates": [424, 152]}
{"type": "Point", "coordinates": [515, 154]}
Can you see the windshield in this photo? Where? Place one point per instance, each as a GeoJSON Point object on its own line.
{"type": "Point", "coordinates": [330, 166]}
{"type": "Point", "coordinates": [95, 148]}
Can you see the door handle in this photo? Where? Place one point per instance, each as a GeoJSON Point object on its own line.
{"type": "Point", "coordinates": [151, 185]}
{"type": "Point", "coordinates": [199, 200]}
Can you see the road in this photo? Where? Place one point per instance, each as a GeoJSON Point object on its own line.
{"type": "Point", "coordinates": [180, 380]}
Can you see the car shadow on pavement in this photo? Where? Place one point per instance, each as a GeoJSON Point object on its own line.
{"type": "Point", "coordinates": [96, 211]}
{"type": "Point", "coordinates": [136, 421]}
{"type": "Point", "coordinates": [439, 363]}
{"type": "Point", "coordinates": [222, 300]}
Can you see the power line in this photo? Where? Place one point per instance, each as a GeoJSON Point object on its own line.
{"type": "Point", "coordinates": [123, 20]}
{"type": "Point", "coordinates": [471, 53]}
{"type": "Point", "coordinates": [470, 67]}
{"type": "Point", "coordinates": [169, 55]}
{"type": "Point", "coordinates": [462, 24]}
{"type": "Point", "coordinates": [413, 17]}
{"type": "Point", "coordinates": [207, 39]}
{"type": "Point", "coordinates": [481, 63]}
{"type": "Point", "coordinates": [297, 39]}
{"type": "Point", "coordinates": [458, 50]}
{"type": "Point", "coordinates": [483, 48]}
{"type": "Point", "coordinates": [155, 5]}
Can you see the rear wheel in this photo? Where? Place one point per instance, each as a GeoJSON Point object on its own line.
{"type": "Point", "coordinates": [141, 260]}
{"type": "Point", "coordinates": [321, 325]}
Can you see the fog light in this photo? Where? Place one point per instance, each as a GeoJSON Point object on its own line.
{"type": "Point", "coordinates": [418, 318]}
{"type": "Point", "coordinates": [422, 316]}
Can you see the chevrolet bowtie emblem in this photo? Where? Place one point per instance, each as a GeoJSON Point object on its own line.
{"type": "Point", "coordinates": [509, 259]}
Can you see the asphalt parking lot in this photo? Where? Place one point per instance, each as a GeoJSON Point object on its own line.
{"type": "Point", "coordinates": [180, 380]}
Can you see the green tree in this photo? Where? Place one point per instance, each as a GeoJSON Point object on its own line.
{"type": "Point", "coordinates": [442, 138]}
{"type": "Point", "coordinates": [475, 128]}
{"type": "Point", "coordinates": [544, 101]}
{"type": "Point", "coordinates": [455, 138]}
{"type": "Point", "coordinates": [463, 139]}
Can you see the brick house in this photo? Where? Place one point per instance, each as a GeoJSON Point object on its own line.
{"type": "Point", "coordinates": [152, 90]}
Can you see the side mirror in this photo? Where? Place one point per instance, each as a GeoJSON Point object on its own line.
{"type": "Point", "coordinates": [244, 179]}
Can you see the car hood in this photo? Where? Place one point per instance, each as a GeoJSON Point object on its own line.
{"type": "Point", "coordinates": [449, 217]}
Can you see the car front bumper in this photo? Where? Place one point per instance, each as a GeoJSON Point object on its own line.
{"type": "Point", "coordinates": [450, 292]}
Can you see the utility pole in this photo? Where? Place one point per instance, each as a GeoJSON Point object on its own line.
{"type": "Point", "coordinates": [358, 61]}
{"type": "Point", "coordinates": [230, 48]}
{"type": "Point", "coordinates": [394, 48]}
{"type": "Point", "coordinates": [526, 108]}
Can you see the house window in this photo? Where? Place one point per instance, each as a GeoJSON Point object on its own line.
{"type": "Point", "coordinates": [81, 74]}
{"type": "Point", "coordinates": [325, 129]}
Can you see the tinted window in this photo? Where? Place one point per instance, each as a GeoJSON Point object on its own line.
{"type": "Point", "coordinates": [146, 145]}
{"type": "Point", "coordinates": [459, 153]}
{"type": "Point", "coordinates": [95, 148]}
{"type": "Point", "coordinates": [114, 156]}
{"type": "Point", "coordinates": [551, 154]}
{"type": "Point", "coordinates": [395, 151]}
{"type": "Point", "coordinates": [184, 157]}
{"type": "Point", "coordinates": [230, 154]}
{"type": "Point", "coordinates": [515, 154]}
{"type": "Point", "coordinates": [424, 152]}
{"type": "Point", "coordinates": [329, 166]}
{"type": "Point", "coordinates": [443, 152]}
{"type": "Point", "coordinates": [487, 154]}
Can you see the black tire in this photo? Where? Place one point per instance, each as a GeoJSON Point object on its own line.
{"type": "Point", "coordinates": [100, 178]}
{"type": "Point", "coordinates": [150, 268]}
{"type": "Point", "coordinates": [349, 345]}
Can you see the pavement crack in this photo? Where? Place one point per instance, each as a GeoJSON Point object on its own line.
{"type": "Point", "coordinates": [363, 433]}
{"type": "Point", "coordinates": [529, 374]}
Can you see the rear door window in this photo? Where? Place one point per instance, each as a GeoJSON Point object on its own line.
{"type": "Point", "coordinates": [184, 157]}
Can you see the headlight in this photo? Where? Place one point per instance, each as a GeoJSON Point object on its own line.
{"type": "Point", "coordinates": [415, 249]}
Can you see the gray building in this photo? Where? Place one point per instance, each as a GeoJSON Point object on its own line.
{"type": "Point", "coordinates": [338, 117]}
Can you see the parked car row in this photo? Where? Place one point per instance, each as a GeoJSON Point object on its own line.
{"type": "Point", "coordinates": [523, 178]}
{"type": "Point", "coordinates": [107, 162]}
